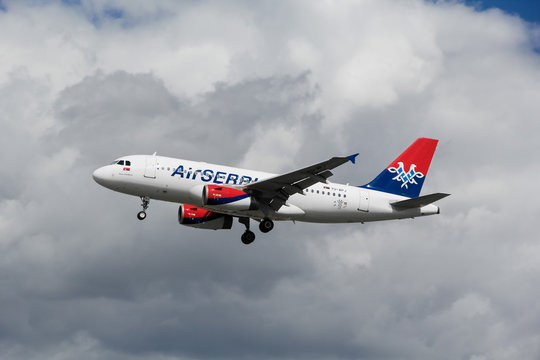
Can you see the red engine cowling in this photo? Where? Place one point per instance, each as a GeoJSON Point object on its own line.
{"type": "Point", "coordinates": [223, 197]}
{"type": "Point", "coordinates": [196, 217]}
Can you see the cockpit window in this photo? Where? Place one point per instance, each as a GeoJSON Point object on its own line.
{"type": "Point", "coordinates": [128, 163]}
{"type": "Point", "coordinates": [121, 162]}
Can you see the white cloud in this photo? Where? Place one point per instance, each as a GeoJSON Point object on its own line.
{"type": "Point", "coordinates": [262, 152]}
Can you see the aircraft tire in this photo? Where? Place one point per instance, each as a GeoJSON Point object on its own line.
{"type": "Point", "coordinates": [141, 215]}
{"type": "Point", "coordinates": [248, 237]}
{"type": "Point", "coordinates": [266, 225]}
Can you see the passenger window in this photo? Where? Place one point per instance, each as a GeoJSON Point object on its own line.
{"type": "Point", "coordinates": [317, 191]}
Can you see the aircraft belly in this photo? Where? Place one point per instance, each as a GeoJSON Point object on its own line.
{"type": "Point", "coordinates": [332, 210]}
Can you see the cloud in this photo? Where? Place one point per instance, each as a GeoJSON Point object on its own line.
{"type": "Point", "coordinates": [273, 86]}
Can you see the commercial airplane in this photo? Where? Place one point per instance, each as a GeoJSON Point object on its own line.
{"type": "Point", "coordinates": [216, 194]}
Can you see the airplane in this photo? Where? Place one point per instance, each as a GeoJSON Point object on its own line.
{"type": "Point", "coordinates": [211, 195]}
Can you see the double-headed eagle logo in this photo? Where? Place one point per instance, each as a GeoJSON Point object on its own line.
{"type": "Point", "coordinates": [405, 177]}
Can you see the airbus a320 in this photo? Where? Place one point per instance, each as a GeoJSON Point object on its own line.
{"type": "Point", "coordinates": [211, 196]}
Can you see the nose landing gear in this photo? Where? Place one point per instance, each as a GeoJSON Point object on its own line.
{"type": "Point", "coordinates": [145, 201]}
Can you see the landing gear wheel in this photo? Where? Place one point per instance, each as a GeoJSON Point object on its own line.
{"type": "Point", "coordinates": [145, 201]}
{"type": "Point", "coordinates": [266, 225]}
{"type": "Point", "coordinates": [248, 237]}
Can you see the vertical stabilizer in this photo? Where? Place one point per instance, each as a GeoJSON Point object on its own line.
{"type": "Point", "coordinates": [406, 174]}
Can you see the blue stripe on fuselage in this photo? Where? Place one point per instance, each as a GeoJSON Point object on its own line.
{"type": "Point", "coordinates": [216, 177]}
{"type": "Point", "coordinates": [221, 201]}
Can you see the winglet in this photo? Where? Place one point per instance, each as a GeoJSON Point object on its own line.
{"type": "Point", "coordinates": [352, 157]}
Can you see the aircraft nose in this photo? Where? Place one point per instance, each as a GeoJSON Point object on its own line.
{"type": "Point", "coordinates": [101, 175]}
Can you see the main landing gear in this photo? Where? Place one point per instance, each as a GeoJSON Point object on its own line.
{"type": "Point", "coordinates": [266, 225]}
{"type": "Point", "coordinates": [249, 236]}
{"type": "Point", "coordinates": [145, 201]}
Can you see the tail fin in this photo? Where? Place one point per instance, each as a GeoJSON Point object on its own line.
{"type": "Point", "coordinates": [405, 175]}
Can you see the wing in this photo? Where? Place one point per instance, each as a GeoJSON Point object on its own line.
{"type": "Point", "coordinates": [275, 191]}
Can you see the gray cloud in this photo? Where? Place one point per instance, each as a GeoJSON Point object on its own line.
{"type": "Point", "coordinates": [273, 87]}
{"type": "Point", "coordinates": [131, 113]}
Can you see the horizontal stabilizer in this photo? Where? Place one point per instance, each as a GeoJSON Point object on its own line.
{"type": "Point", "coordinates": [419, 201]}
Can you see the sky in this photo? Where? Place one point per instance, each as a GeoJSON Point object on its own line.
{"type": "Point", "coordinates": [273, 86]}
{"type": "Point", "coordinates": [528, 10]}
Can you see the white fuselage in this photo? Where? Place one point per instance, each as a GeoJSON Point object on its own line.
{"type": "Point", "coordinates": [178, 181]}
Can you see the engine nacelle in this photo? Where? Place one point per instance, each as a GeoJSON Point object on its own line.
{"type": "Point", "coordinates": [196, 217]}
{"type": "Point", "coordinates": [222, 197]}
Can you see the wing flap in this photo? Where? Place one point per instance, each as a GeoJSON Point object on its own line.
{"type": "Point", "coordinates": [276, 190]}
{"type": "Point", "coordinates": [307, 182]}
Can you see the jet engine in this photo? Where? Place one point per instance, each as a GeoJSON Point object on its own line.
{"type": "Point", "coordinates": [192, 216]}
{"type": "Point", "coordinates": [223, 197]}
